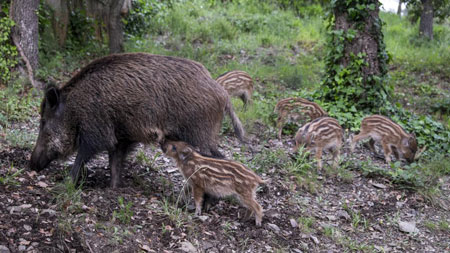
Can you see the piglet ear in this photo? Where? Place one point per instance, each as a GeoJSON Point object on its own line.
{"type": "Point", "coordinates": [405, 142]}
{"type": "Point", "coordinates": [52, 96]}
{"type": "Point", "coordinates": [185, 153]}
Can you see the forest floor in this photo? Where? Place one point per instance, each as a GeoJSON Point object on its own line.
{"type": "Point", "coordinates": [41, 212]}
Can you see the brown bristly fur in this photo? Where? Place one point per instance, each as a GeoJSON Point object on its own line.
{"type": "Point", "coordinates": [238, 84]}
{"type": "Point", "coordinates": [319, 134]}
{"type": "Point", "coordinates": [390, 135]}
{"type": "Point", "coordinates": [285, 108]}
{"type": "Point", "coordinates": [217, 177]}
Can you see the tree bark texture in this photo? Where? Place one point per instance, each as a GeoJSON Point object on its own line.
{"type": "Point", "coordinates": [363, 42]}
{"type": "Point", "coordinates": [109, 11]}
{"type": "Point", "coordinates": [60, 19]}
{"type": "Point", "coordinates": [426, 19]}
{"type": "Point", "coordinates": [25, 32]}
{"type": "Point", "coordinates": [115, 27]}
{"type": "Point", "coordinates": [399, 9]}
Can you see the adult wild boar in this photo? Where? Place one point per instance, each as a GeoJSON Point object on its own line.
{"type": "Point", "coordinates": [120, 100]}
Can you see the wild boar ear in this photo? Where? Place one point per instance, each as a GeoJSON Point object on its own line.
{"type": "Point", "coordinates": [52, 97]}
{"type": "Point", "coordinates": [405, 141]}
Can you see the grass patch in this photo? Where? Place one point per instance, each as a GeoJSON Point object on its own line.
{"type": "Point", "coordinates": [306, 224]}
{"type": "Point", "coordinates": [175, 214]}
{"type": "Point", "coordinates": [10, 176]}
{"type": "Point", "coordinates": [421, 176]}
{"type": "Point", "coordinates": [304, 170]}
{"type": "Point", "coordinates": [124, 212]}
{"type": "Point", "coordinates": [17, 103]}
{"type": "Point", "coordinates": [421, 55]}
{"type": "Point", "coordinates": [268, 159]}
{"type": "Point", "coordinates": [67, 196]}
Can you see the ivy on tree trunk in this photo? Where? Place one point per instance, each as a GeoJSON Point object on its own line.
{"type": "Point", "coordinates": [356, 61]}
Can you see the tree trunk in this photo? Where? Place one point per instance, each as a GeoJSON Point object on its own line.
{"type": "Point", "coordinates": [115, 27]}
{"type": "Point", "coordinates": [60, 19]}
{"type": "Point", "coordinates": [399, 9]}
{"type": "Point", "coordinates": [25, 32]}
{"type": "Point", "coordinates": [426, 20]}
{"type": "Point", "coordinates": [364, 41]}
{"type": "Point", "coordinates": [356, 61]}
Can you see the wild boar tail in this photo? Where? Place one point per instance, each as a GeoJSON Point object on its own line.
{"type": "Point", "coordinates": [237, 125]}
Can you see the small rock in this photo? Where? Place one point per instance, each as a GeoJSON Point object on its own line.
{"type": "Point", "coordinates": [14, 209]}
{"type": "Point", "coordinates": [399, 204]}
{"type": "Point", "coordinates": [51, 212]}
{"type": "Point", "coordinates": [4, 249]}
{"type": "Point", "coordinates": [379, 186]}
{"type": "Point", "coordinates": [314, 239]}
{"type": "Point", "coordinates": [188, 247]}
{"type": "Point", "coordinates": [24, 242]}
{"type": "Point", "coordinates": [25, 206]}
{"type": "Point", "coordinates": [146, 248]}
{"type": "Point", "coordinates": [377, 228]}
{"type": "Point", "coordinates": [27, 227]}
{"type": "Point", "coordinates": [203, 218]}
{"type": "Point", "coordinates": [343, 214]}
{"type": "Point", "coordinates": [408, 227]}
{"type": "Point", "coordinates": [273, 214]}
{"type": "Point", "coordinates": [294, 223]}
{"type": "Point", "coordinates": [304, 246]}
{"type": "Point", "coordinates": [332, 217]}
{"type": "Point", "coordinates": [274, 227]}
{"type": "Point", "coordinates": [297, 251]}
{"type": "Point", "coordinates": [42, 184]}
{"type": "Point", "coordinates": [22, 248]}
{"type": "Point", "coordinates": [172, 170]}
{"type": "Point", "coordinates": [207, 245]}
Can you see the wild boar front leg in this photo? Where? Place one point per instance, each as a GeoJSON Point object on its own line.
{"type": "Point", "coordinates": [357, 138]}
{"type": "Point", "coordinates": [387, 151]}
{"type": "Point", "coordinates": [85, 153]}
{"type": "Point", "coordinates": [198, 199]}
{"type": "Point", "coordinates": [249, 201]}
{"type": "Point", "coordinates": [336, 154]}
{"type": "Point", "coordinates": [319, 157]}
{"type": "Point", "coordinates": [280, 122]}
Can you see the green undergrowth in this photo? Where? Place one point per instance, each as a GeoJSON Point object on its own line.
{"type": "Point", "coordinates": [423, 176]}
{"type": "Point", "coordinates": [261, 39]}
{"type": "Point", "coordinates": [17, 103]}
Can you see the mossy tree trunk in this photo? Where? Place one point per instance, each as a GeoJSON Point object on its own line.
{"type": "Point", "coordinates": [356, 63]}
